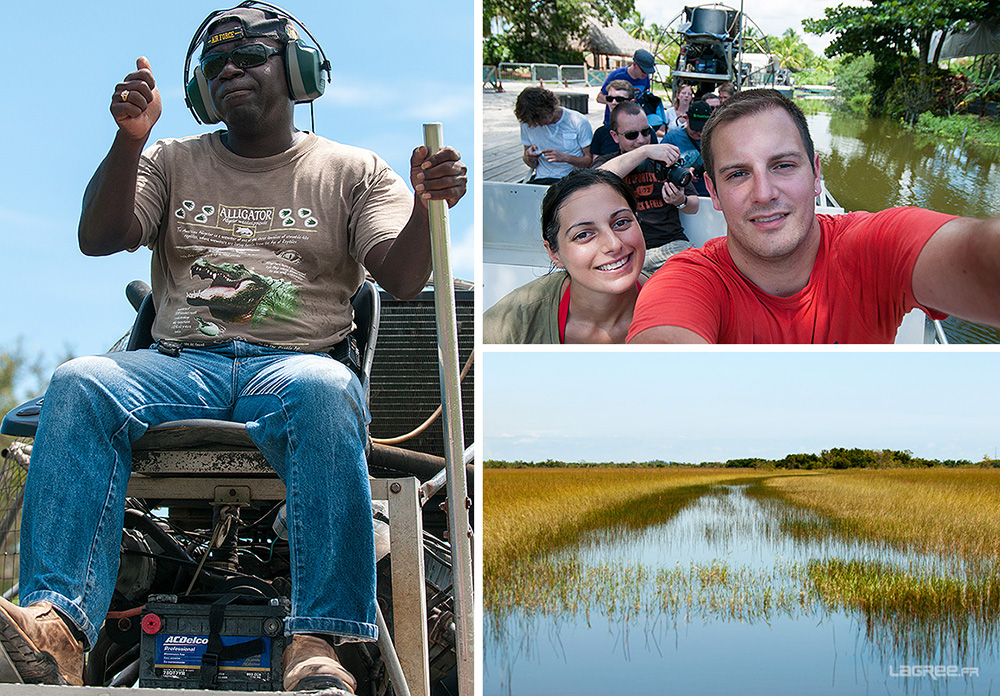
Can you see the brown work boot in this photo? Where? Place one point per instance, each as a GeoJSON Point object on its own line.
{"type": "Point", "coordinates": [37, 647]}
{"type": "Point", "coordinates": [311, 664]}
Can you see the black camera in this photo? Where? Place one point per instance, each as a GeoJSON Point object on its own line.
{"type": "Point", "coordinates": [675, 173]}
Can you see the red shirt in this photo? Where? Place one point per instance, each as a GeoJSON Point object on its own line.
{"type": "Point", "coordinates": [858, 292]}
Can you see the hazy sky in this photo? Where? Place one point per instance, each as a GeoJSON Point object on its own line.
{"type": "Point", "coordinates": [718, 405]}
{"type": "Point", "coordinates": [396, 65]}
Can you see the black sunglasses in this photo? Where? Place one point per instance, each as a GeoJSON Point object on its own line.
{"type": "Point", "coordinates": [246, 56]}
{"type": "Point", "coordinates": [632, 135]}
{"type": "Point", "coordinates": [619, 99]}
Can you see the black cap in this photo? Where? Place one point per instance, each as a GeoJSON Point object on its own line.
{"type": "Point", "coordinates": [252, 23]}
{"type": "Point", "coordinates": [698, 114]}
{"type": "Point", "coordinates": [644, 59]}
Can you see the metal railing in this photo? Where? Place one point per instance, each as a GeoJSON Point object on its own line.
{"type": "Point", "coordinates": [545, 72]}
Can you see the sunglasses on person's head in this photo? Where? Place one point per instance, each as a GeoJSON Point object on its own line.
{"type": "Point", "coordinates": [246, 56]}
{"type": "Point", "coordinates": [619, 99]}
{"type": "Point", "coordinates": [632, 135]}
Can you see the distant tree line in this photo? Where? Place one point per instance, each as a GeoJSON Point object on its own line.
{"type": "Point", "coordinates": [557, 464]}
{"type": "Point", "coordinates": [853, 458]}
{"type": "Point", "coordinates": [834, 458]}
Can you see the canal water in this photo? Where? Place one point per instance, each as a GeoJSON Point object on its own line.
{"type": "Point", "coordinates": [873, 164]}
{"type": "Point", "coordinates": [711, 601]}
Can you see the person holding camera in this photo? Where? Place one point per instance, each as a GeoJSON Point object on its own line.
{"type": "Point", "coordinates": [661, 185]}
{"type": "Point", "coordinates": [688, 141]}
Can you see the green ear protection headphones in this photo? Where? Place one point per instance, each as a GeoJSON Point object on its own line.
{"type": "Point", "coordinates": [304, 66]}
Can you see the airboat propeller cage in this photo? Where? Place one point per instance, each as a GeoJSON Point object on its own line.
{"type": "Point", "coordinates": [307, 69]}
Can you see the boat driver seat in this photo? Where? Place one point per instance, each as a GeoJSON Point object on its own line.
{"type": "Point", "coordinates": [213, 460]}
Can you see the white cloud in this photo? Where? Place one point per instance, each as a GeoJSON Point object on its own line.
{"type": "Point", "coordinates": [425, 99]}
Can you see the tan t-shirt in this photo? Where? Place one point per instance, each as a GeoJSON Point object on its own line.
{"type": "Point", "coordinates": [266, 250]}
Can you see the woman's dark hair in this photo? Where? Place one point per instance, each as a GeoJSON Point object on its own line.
{"type": "Point", "coordinates": [570, 184]}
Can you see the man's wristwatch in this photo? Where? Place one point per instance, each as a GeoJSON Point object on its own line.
{"type": "Point", "coordinates": [681, 206]}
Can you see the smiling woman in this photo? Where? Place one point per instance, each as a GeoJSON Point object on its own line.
{"type": "Point", "coordinates": [591, 233]}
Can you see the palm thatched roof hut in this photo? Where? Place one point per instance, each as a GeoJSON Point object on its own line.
{"type": "Point", "coordinates": [611, 46]}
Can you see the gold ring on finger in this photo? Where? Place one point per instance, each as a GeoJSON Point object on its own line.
{"type": "Point", "coordinates": [123, 94]}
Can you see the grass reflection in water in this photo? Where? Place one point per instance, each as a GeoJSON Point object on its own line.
{"type": "Point", "coordinates": [803, 547]}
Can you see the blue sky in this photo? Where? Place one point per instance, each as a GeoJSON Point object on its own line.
{"type": "Point", "coordinates": [393, 70]}
{"type": "Point", "coordinates": [713, 406]}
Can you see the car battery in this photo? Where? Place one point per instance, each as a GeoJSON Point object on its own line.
{"type": "Point", "coordinates": [705, 65]}
{"type": "Point", "coordinates": [230, 644]}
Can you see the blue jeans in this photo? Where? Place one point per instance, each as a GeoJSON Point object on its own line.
{"type": "Point", "coordinates": [306, 413]}
{"type": "Point", "coordinates": [657, 256]}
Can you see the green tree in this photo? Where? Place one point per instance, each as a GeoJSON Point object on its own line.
{"type": "Point", "coordinates": [541, 31]}
{"type": "Point", "coordinates": [635, 25]}
{"type": "Point", "coordinates": [890, 30]}
{"type": "Point", "coordinates": [793, 52]}
{"type": "Point", "coordinates": [853, 83]}
{"type": "Point", "coordinates": [22, 377]}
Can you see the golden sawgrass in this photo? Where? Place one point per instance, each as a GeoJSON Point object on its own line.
{"type": "Point", "coordinates": [943, 511]}
{"type": "Point", "coordinates": [913, 609]}
{"type": "Point", "coordinates": [529, 512]}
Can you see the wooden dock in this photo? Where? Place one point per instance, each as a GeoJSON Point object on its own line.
{"type": "Point", "coordinates": [502, 160]}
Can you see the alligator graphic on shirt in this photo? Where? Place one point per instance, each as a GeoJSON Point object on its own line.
{"type": "Point", "coordinates": [238, 295]}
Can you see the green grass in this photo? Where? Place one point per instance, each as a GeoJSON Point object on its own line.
{"type": "Point", "coordinates": [960, 127]}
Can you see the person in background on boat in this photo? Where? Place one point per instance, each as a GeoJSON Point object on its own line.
{"type": "Point", "coordinates": [653, 106]}
{"type": "Point", "coordinates": [676, 115]}
{"type": "Point", "coordinates": [657, 122]}
{"type": "Point", "coordinates": [688, 141]}
{"type": "Point", "coordinates": [645, 166]}
{"type": "Point", "coordinates": [713, 100]}
{"type": "Point", "coordinates": [556, 140]}
{"type": "Point", "coordinates": [725, 91]}
{"type": "Point", "coordinates": [619, 91]}
{"type": "Point", "coordinates": [591, 233]}
{"type": "Point", "coordinates": [635, 73]}
{"type": "Point", "coordinates": [783, 274]}
{"type": "Point", "coordinates": [285, 372]}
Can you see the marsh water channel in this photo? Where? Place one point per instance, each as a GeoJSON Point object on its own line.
{"type": "Point", "coordinates": [721, 598]}
{"type": "Point", "coordinates": [873, 164]}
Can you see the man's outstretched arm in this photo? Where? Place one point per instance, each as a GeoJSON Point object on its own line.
{"type": "Point", "coordinates": [402, 265]}
{"type": "Point", "coordinates": [107, 222]}
{"type": "Point", "coordinates": [958, 270]}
